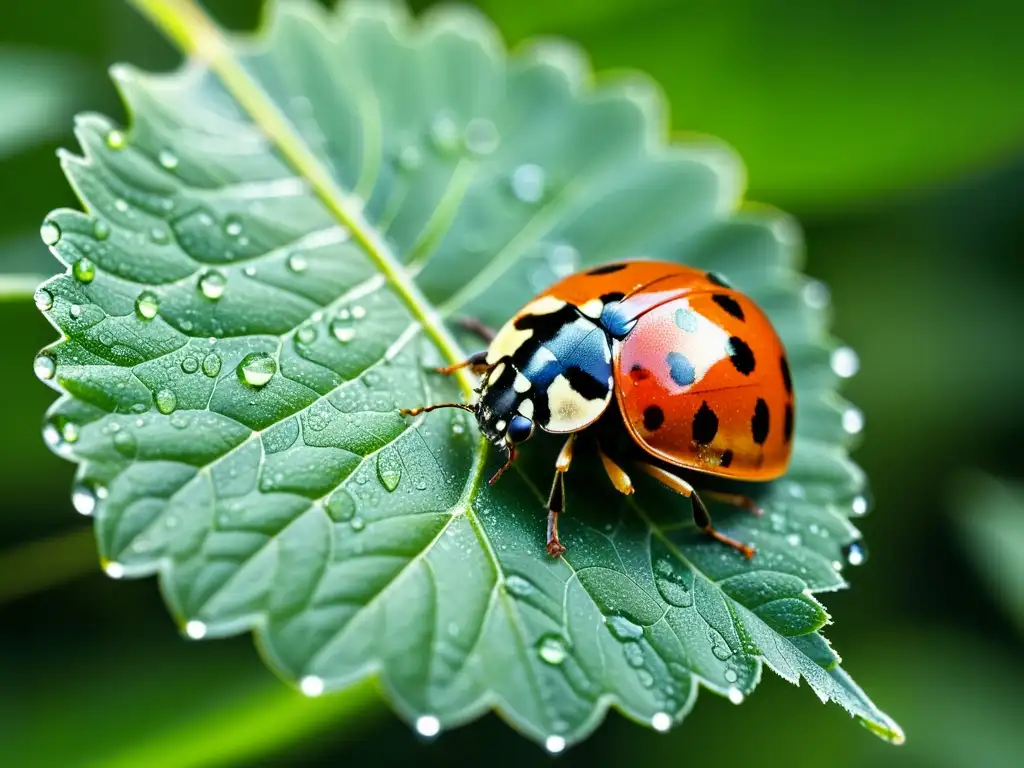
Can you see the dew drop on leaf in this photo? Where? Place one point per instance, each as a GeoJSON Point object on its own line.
{"type": "Point", "coordinates": [482, 136]}
{"type": "Point", "coordinates": [410, 158]}
{"type": "Point", "coordinates": [623, 629]}
{"type": "Point", "coordinates": [256, 369]}
{"type": "Point", "coordinates": [444, 133]}
{"type": "Point", "coordinates": [428, 726]}
{"type": "Point", "coordinates": [211, 364]}
{"type": "Point", "coordinates": [860, 506]}
{"type": "Point", "coordinates": [311, 686]}
{"type": "Point", "coordinates": [306, 334]}
{"type": "Point", "coordinates": [661, 721]}
{"type": "Point", "coordinates": [389, 469]}
{"type": "Point", "coordinates": [158, 235]}
{"type": "Point", "coordinates": [844, 362]}
{"type": "Point", "coordinates": [166, 401]}
{"type": "Point", "coordinates": [855, 553]}
{"type": "Point", "coordinates": [233, 226]}
{"type": "Point", "coordinates": [115, 140]}
{"type": "Point", "coordinates": [853, 421]}
{"type": "Point", "coordinates": [212, 284]}
{"type": "Point", "coordinates": [528, 183]}
{"type": "Point", "coordinates": [44, 366]}
{"type": "Point", "coordinates": [190, 364]}
{"type": "Point", "coordinates": [50, 233]}
{"type": "Point", "coordinates": [195, 629]}
{"type": "Point", "coordinates": [121, 205]}
{"type": "Point", "coordinates": [357, 524]}
{"type": "Point", "coordinates": [730, 675]}
{"type": "Point", "coordinates": [518, 586]}
{"type": "Point", "coordinates": [551, 650]}
{"type": "Point", "coordinates": [83, 499]}
{"type": "Point", "coordinates": [44, 300]}
{"type": "Point", "coordinates": [147, 305]}
{"type": "Point", "coordinates": [816, 294]}
{"type": "Point", "coordinates": [735, 695]}
{"type": "Point", "coordinates": [554, 744]}
{"type": "Point", "coordinates": [101, 230]}
{"type": "Point", "coordinates": [70, 432]}
{"type": "Point", "coordinates": [674, 586]}
{"type": "Point", "coordinates": [341, 506]}
{"type": "Point", "coordinates": [114, 569]}
{"type": "Point", "coordinates": [84, 270]}
{"type": "Point", "coordinates": [168, 159]}
{"type": "Point", "coordinates": [297, 263]}
{"type": "Point", "coordinates": [125, 444]}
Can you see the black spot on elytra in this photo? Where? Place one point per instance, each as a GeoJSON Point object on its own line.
{"type": "Point", "coordinates": [639, 373]}
{"type": "Point", "coordinates": [654, 417]}
{"type": "Point", "coordinates": [587, 386]}
{"type": "Point", "coordinates": [726, 457]}
{"type": "Point", "coordinates": [609, 298]}
{"type": "Point", "coordinates": [729, 304]}
{"type": "Point", "coordinates": [787, 425]}
{"type": "Point", "coordinates": [740, 354]}
{"type": "Point", "coordinates": [787, 380]}
{"type": "Point", "coordinates": [705, 425]}
{"type": "Point", "coordinates": [761, 423]}
{"type": "Point", "coordinates": [681, 369]}
{"type": "Point", "coordinates": [607, 269]}
{"type": "Point", "coordinates": [718, 279]}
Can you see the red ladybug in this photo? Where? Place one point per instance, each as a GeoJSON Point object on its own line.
{"type": "Point", "coordinates": [699, 374]}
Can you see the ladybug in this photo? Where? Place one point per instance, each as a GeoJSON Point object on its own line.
{"type": "Point", "coordinates": [699, 375]}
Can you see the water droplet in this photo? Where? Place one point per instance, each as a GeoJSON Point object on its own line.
{"type": "Point", "coordinates": [410, 158]}
{"type": "Point", "coordinates": [389, 469]}
{"type": "Point", "coordinates": [195, 629]}
{"type": "Point", "coordinates": [70, 432]}
{"type": "Point", "coordinates": [735, 695]}
{"type": "Point", "coordinates": [44, 300]}
{"type": "Point", "coordinates": [168, 159]}
{"type": "Point", "coordinates": [793, 539]}
{"type": "Point", "coordinates": [306, 334]}
{"type": "Point", "coordinates": [730, 675]}
{"type": "Point", "coordinates": [554, 744]}
{"type": "Point", "coordinates": [719, 647]}
{"type": "Point", "coordinates": [256, 369]}
{"type": "Point", "coordinates": [528, 183]}
{"type": "Point", "coordinates": [855, 553]}
{"type": "Point", "coordinates": [551, 650]}
{"type": "Point", "coordinates": [83, 499]}
{"type": "Point", "coordinates": [482, 136]}
{"type": "Point", "coordinates": [816, 294]}
{"type": "Point", "coordinates": [444, 133]}
{"type": "Point", "coordinates": [358, 312]}
{"type": "Point", "coordinates": [673, 585]}
{"type": "Point", "coordinates": [661, 721]}
{"type": "Point", "coordinates": [428, 726]}
{"type": "Point", "coordinates": [121, 205]}
{"type": "Point", "coordinates": [115, 140]}
{"type": "Point", "coordinates": [101, 230]}
{"type": "Point", "coordinates": [623, 629]}
{"type": "Point", "coordinates": [297, 263]}
{"type": "Point", "coordinates": [844, 362]}
{"type": "Point", "coordinates": [357, 524]}
{"type": "Point", "coordinates": [44, 366]}
{"type": "Point", "coordinates": [180, 420]}
{"type": "Point", "coordinates": [166, 401]}
{"type": "Point", "coordinates": [341, 506]}
{"type": "Point", "coordinates": [233, 226]}
{"type": "Point", "coordinates": [311, 685]}
{"type": "Point", "coordinates": [860, 506]}
{"type": "Point", "coordinates": [125, 444]}
{"type": "Point", "coordinates": [190, 364]}
{"type": "Point", "coordinates": [634, 654]}
{"type": "Point", "coordinates": [645, 677]}
{"type": "Point", "coordinates": [114, 569]}
{"type": "Point", "coordinates": [147, 305]}
{"type": "Point", "coordinates": [84, 270]}
{"type": "Point", "coordinates": [563, 260]}
{"type": "Point", "coordinates": [158, 235]}
{"type": "Point", "coordinates": [853, 421]}
{"type": "Point", "coordinates": [518, 586]}
{"type": "Point", "coordinates": [212, 284]}
{"type": "Point", "coordinates": [342, 330]}
{"type": "Point", "coordinates": [211, 364]}
{"type": "Point", "coordinates": [50, 233]}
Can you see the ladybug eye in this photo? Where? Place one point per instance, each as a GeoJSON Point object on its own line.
{"type": "Point", "coordinates": [519, 429]}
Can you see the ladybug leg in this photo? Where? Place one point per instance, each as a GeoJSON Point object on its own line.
{"type": "Point", "coordinates": [473, 325]}
{"type": "Point", "coordinates": [737, 500]}
{"type": "Point", "coordinates": [556, 500]}
{"type": "Point", "coordinates": [478, 362]}
{"type": "Point", "coordinates": [700, 512]}
{"type": "Point", "coordinates": [616, 474]}
{"type": "Point", "coordinates": [429, 408]}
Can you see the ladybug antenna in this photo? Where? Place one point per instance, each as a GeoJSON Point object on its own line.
{"type": "Point", "coordinates": [510, 456]}
{"type": "Point", "coordinates": [429, 408]}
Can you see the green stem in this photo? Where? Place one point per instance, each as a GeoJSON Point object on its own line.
{"type": "Point", "coordinates": [195, 33]}
{"type": "Point", "coordinates": [18, 287]}
{"type": "Point", "coordinates": [40, 565]}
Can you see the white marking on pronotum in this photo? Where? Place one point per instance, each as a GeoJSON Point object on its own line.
{"type": "Point", "coordinates": [526, 408]}
{"type": "Point", "coordinates": [571, 411]}
{"type": "Point", "coordinates": [495, 373]}
{"type": "Point", "coordinates": [592, 308]}
{"type": "Point", "coordinates": [521, 384]}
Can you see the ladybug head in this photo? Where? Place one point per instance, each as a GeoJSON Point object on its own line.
{"type": "Point", "coordinates": [500, 410]}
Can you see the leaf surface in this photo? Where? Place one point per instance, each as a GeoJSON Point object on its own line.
{"type": "Point", "coordinates": [272, 255]}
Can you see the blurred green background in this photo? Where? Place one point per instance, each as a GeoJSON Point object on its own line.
{"type": "Point", "coordinates": [893, 131]}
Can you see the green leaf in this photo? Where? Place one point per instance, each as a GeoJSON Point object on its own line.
{"type": "Point", "coordinates": [990, 513]}
{"type": "Point", "coordinates": [271, 256]}
{"type": "Point", "coordinates": [830, 104]}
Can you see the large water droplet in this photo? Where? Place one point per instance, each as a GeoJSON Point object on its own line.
{"type": "Point", "coordinates": [168, 159]}
{"type": "Point", "coordinates": [211, 364]}
{"type": "Point", "coordinates": [115, 139]}
{"type": "Point", "coordinates": [101, 230]}
{"type": "Point", "coordinates": [50, 233]}
{"type": "Point", "coordinates": [256, 369]}
{"type": "Point", "coordinates": [190, 364]}
{"type": "Point", "coordinates": [311, 685]}
{"type": "Point", "coordinates": [623, 629]}
{"type": "Point", "coordinates": [114, 569]}
{"type": "Point", "coordinates": [70, 432]}
{"type": "Point", "coordinates": [83, 499]}
{"type": "Point", "coordinates": [357, 524]}
{"type": "Point", "coordinates": [166, 401]}
{"type": "Point", "coordinates": [233, 226]}
{"type": "Point", "coordinates": [735, 695]}
{"type": "Point", "coordinates": [528, 183]}
{"type": "Point", "coordinates": [342, 329]}
{"type": "Point", "coordinates": [730, 675]}
{"type": "Point", "coordinates": [518, 586]}
{"type": "Point", "coordinates": [816, 294]}
{"type": "Point", "coordinates": [125, 444]}
{"type": "Point", "coordinates": [844, 362]}
{"type": "Point", "coordinates": [44, 366]}
{"type": "Point", "coordinates": [212, 284]}
{"type": "Point", "coordinates": [482, 136]}
{"type": "Point", "coordinates": [195, 629]}
{"type": "Point", "coordinates": [389, 469]}
{"type": "Point", "coordinates": [297, 263]}
{"type": "Point", "coordinates": [121, 205]}
{"type": "Point", "coordinates": [444, 133]}
{"type": "Point", "coordinates": [551, 649]}
{"type": "Point", "coordinates": [673, 585]}
{"type": "Point", "coordinates": [341, 506]}
{"type": "Point", "coordinates": [853, 421]}
{"type": "Point", "coordinates": [44, 300]}
{"type": "Point", "coordinates": [860, 506]}
{"type": "Point", "coordinates": [428, 726]}
{"type": "Point", "coordinates": [661, 721]}
{"type": "Point", "coordinates": [147, 305]}
{"type": "Point", "coordinates": [84, 270]}
{"type": "Point", "coordinates": [306, 334]}
{"type": "Point", "coordinates": [554, 744]}
{"type": "Point", "coordinates": [855, 553]}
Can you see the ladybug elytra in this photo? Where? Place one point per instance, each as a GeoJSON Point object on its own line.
{"type": "Point", "coordinates": [700, 377]}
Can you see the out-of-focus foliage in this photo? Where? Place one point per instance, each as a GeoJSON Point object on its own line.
{"type": "Point", "coordinates": [925, 289]}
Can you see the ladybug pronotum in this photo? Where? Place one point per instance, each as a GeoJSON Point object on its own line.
{"type": "Point", "coordinates": [698, 373]}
